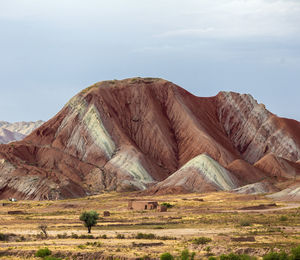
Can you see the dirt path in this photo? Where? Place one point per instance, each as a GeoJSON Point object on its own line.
{"type": "Point", "coordinates": [177, 232]}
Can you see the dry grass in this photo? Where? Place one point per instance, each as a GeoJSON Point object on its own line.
{"type": "Point", "coordinates": [217, 217]}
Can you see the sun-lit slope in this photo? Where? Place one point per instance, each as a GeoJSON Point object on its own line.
{"type": "Point", "coordinates": [200, 174]}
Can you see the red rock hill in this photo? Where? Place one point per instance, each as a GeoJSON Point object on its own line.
{"type": "Point", "coordinates": [130, 134]}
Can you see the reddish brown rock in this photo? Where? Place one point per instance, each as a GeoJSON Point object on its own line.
{"type": "Point", "coordinates": [245, 172]}
{"type": "Point", "coordinates": [129, 134]}
{"type": "Point", "coordinates": [254, 131]}
{"type": "Point", "coordinates": [279, 167]}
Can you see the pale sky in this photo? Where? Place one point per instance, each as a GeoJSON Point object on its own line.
{"type": "Point", "coordinates": [51, 49]}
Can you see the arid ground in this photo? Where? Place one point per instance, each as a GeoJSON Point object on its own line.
{"type": "Point", "coordinates": [234, 223]}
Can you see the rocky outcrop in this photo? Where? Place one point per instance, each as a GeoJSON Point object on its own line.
{"type": "Point", "coordinates": [131, 134]}
{"type": "Point", "coordinates": [10, 132]}
{"type": "Point", "coordinates": [254, 131]}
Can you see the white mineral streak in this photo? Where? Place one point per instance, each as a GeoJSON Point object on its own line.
{"type": "Point", "coordinates": [292, 193]}
{"type": "Point", "coordinates": [91, 121]}
{"type": "Point", "coordinates": [208, 168]}
{"type": "Point", "coordinates": [254, 188]}
{"type": "Point", "coordinates": [132, 166]}
{"type": "Point", "coordinates": [254, 129]}
{"type": "Point", "coordinates": [98, 132]}
{"type": "Point", "coordinates": [77, 106]}
{"type": "Point", "coordinates": [212, 171]}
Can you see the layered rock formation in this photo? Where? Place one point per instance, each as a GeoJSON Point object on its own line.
{"type": "Point", "coordinates": [131, 134]}
{"type": "Point", "coordinates": [201, 174]}
{"type": "Point", "coordinates": [10, 132]}
{"type": "Point", "coordinates": [291, 193]}
{"type": "Point", "coordinates": [278, 167]}
{"type": "Point", "coordinates": [257, 188]}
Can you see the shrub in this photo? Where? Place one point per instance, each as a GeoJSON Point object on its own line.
{"type": "Point", "coordinates": [43, 252]}
{"type": "Point", "coordinates": [120, 236]}
{"type": "Point", "coordinates": [103, 236]}
{"type": "Point", "coordinates": [74, 236]}
{"type": "Point", "coordinates": [86, 237]}
{"type": "Point", "coordinates": [52, 258]}
{"type": "Point", "coordinates": [166, 256]}
{"type": "Point", "coordinates": [81, 246]}
{"type": "Point", "coordinates": [167, 204]}
{"type": "Point", "coordinates": [276, 256]}
{"type": "Point", "coordinates": [201, 240]}
{"type": "Point", "coordinates": [283, 218]}
{"type": "Point", "coordinates": [233, 256]}
{"type": "Point", "coordinates": [3, 237]}
{"type": "Point", "coordinates": [145, 236]}
{"type": "Point", "coordinates": [212, 258]}
{"type": "Point", "coordinates": [60, 236]}
{"type": "Point", "coordinates": [245, 223]}
{"type": "Point", "coordinates": [296, 253]}
{"type": "Point", "coordinates": [186, 255]}
{"type": "Point", "coordinates": [95, 244]}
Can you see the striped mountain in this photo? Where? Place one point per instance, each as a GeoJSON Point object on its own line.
{"type": "Point", "coordinates": [145, 133]}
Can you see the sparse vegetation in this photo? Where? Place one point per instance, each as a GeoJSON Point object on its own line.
{"type": "Point", "coordinates": [120, 236]}
{"type": "Point", "coordinates": [245, 223]}
{"type": "Point", "coordinates": [283, 218]}
{"type": "Point", "coordinates": [233, 256]}
{"type": "Point", "coordinates": [43, 228]}
{"type": "Point", "coordinates": [167, 204]}
{"type": "Point", "coordinates": [145, 236]}
{"type": "Point", "coordinates": [176, 231]}
{"type": "Point", "coordinates": [166, 256]}
{"type": "Point", "coordinates": [186, 255]}
{"type": "Point", "coordinates": [43, 252]}
{"type": "Point", "coordinates": [201, 240]}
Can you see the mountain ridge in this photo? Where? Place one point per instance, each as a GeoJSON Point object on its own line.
{"type": "Point", "coordinates": [16, 131]}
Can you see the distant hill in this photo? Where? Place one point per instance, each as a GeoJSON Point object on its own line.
{"type": "Point", "coordinates": [10, 132]}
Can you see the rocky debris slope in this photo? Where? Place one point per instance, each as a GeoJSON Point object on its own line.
{"type": "Point", "coordinates": [130, 134]}
{"type": "Point", "coordinates": [10, 132]}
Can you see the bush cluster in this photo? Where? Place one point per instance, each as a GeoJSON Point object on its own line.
{"type": "Point", "coordinates": [294, 254]}
{"type": "Point", "coordinates": [201, 240]}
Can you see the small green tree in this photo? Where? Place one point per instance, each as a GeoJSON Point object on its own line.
{"type": "Point", "coordinates": [89, 218]}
